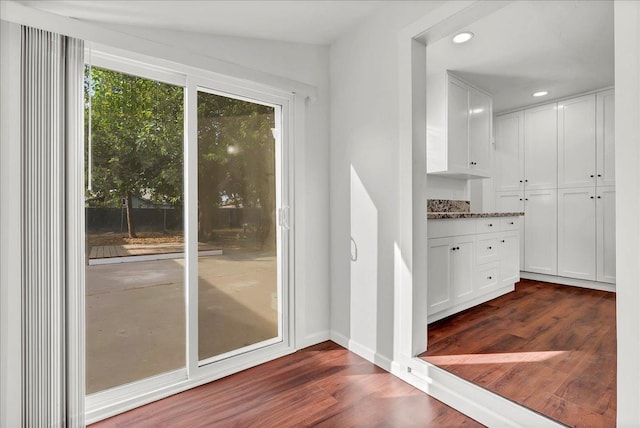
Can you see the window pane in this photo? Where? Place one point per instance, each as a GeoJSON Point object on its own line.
{"type": "Point", "coordinates": [135, 311]}
{"type": "Point", "coordinates": [238, 286]}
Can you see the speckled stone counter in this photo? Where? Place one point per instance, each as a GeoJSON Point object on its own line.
{"type": "Point", "coordinates": [441, 215]}
{"type": "Point", "coordinates": [445, 208]}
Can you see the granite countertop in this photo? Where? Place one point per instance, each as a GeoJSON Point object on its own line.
{"type": "Point", "coordinates": [445, 208]}
{"type": "Point", "coordinates": [439, 215]}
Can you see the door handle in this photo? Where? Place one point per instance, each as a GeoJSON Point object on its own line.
{"type": "Point", "coordinates": [354, 250]}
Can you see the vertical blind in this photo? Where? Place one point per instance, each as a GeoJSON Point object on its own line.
{"type": "Point", "coordinates": [52, 70]}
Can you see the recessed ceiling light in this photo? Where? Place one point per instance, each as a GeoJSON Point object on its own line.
{"type": "Point", "coordinates": [462, 37]}
{"type": "Point", "coordinates": [540, 94]}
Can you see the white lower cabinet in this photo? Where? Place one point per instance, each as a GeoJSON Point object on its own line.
{"type": "Point", "coordinates": [513, 202]}
{"type": "Point", "coordinates": [462, 267]}
{"type": "Point", "coordinates": [606, 234]}
{"type": "Point", "coordinates": [508, 249]}
{"type": "Point", "coordinates": [577, 233]}
{"type": "Point", "coordinates": [540, 231]}
{"type": "Point", "coordinates": [470, 261]}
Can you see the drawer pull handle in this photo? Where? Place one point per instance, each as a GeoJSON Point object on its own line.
{"type": "Point", "coordinates": [502, 241]}
{"type": "Point", "coordinates": [490, 225]}
{"type": "Point", "coordinates": [488, 248]}
{"type": "Point", "coordinates": [489, 277]}
{"type": "Point", "coordinates": [510, 222]}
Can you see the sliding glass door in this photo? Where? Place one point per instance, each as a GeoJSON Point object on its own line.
{"type": "Point", "coordinates": [135, 312]}
{"type": "Point", "coordinates": [239, 301]}
{"type": "Point", "coordinates": [187, 230]}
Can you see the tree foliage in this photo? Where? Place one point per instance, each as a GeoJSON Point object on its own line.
{"type": "Point", "coordinates": [136, 140]}
{"type": "Point", "coordinates": [236, 160]}
{"type": "Point", "coordinates": [137, 149]}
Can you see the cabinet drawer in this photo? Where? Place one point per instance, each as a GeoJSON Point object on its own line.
{"type": "Point", "coordinates": [440, 228]}
{"type": "Point", "coordinates": [487, 278]}
{"type": "Point", "coordinates": [487, 248]}
{"type": "Point", "coordinates": [509, 223]}
{"type": "Point", "coordinates": [488, 224]}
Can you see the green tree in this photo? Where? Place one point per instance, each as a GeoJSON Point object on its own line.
{"type": "Point", "coordinates": [236, 161]}
{"type": "Point", "coordinates": [137, 140]}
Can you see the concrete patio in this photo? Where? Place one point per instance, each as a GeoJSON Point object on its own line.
{"type": "Point", "coordinates": [136, 318]}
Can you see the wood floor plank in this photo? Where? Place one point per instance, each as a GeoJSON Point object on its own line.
{"type": "Point", "coordinates": [549, 347]}
{"type": "Point", "coordinates": [324, 386]}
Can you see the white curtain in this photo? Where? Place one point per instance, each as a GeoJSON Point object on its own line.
{"type": "Point", "coordinates": [52, 132]}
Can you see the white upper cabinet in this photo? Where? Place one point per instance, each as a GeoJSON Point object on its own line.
{"type": "Point", "coordinates": [577, 142]}
{"type": "Point", "coordinates": [577, 233]}
{"type": "Point", "coordinates": [459, 121]}
{"type": "Point", "coordinates": [509, 152]}
{"type": "Point", "coordinates": [605, 138]}
{"type": "Point", "coordinates": [480, 118]}
{"type": "Point", "coordinates": [458, 125]}
{"type": "Point", "coordinates": [540, 152]}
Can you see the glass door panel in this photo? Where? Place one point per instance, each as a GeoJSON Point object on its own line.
{"type": "Point", "coordinates": [135, 311]}
{"type": "Point", "coordinates": [239, 293]}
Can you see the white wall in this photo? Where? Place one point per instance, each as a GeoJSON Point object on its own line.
{"type": "Point", "coordinates": [448, 188]}
{"type": "Point", "coordinates": [627, 77]}
{"type": "Point", "coordinates": [364, 178]}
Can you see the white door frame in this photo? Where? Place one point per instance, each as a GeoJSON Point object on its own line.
{"type": "Point", "coordinates": [410, 303]}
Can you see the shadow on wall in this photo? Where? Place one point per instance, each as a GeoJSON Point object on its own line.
{"type": "Point", "coordinates": [364, 267]}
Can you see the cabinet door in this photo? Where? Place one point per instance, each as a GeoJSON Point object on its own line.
{"type": "Point", "coordinates": [513, 202]}
{"type": "Point", "coordinates": [540, 232]}
{"type": "Point", "coordinates": [606, 234]}
{"type": "Point", "coordinates": [605, 138]}
{"type": "Point", "coordinates": [509, 253]}
{"type": "Point", "coordinates": [462, 268]}
{"type": "Point", "coordinates": [577, 233]}
{"type": "Point", "coordinates": [509, 152]}
{"type": "Point", "coordinates": [458, 125]}
{"type": "Point", "coordinates": [439, 296]}
{"type": "Point", "coordinates": [480, 115]}
{"type": "Point", "coordinates": [577, 142]}
{"type": "Point", "coordinates": [540, 148]}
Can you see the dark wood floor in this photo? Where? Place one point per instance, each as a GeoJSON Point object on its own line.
{"type": "Point", "coordinates": [324, 385]}
{"type": "Point", "coordinates": [551, 348]}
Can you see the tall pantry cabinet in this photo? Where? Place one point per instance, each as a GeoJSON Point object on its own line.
{"type": "Point", "coordinates": [555, 163]}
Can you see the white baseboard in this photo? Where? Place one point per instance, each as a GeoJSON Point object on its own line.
{"type": "Point", "coordinates": [340, 339]}
{"type": "Point", "coordinates": [476, 402]}
{"type": "Point", "coordinates": [314, 339]}
{"type": "Point", "coordinates": [471, 303]}
{"type": "Point", "coordinates": [370, 355]}
{"type": "Point", "coordinates": [593, 285]}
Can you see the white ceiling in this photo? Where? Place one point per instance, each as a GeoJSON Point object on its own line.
{"type": "Point", "coordinates": [564, 47]}
{"type": "Point", "coordinates": [302, 21]}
